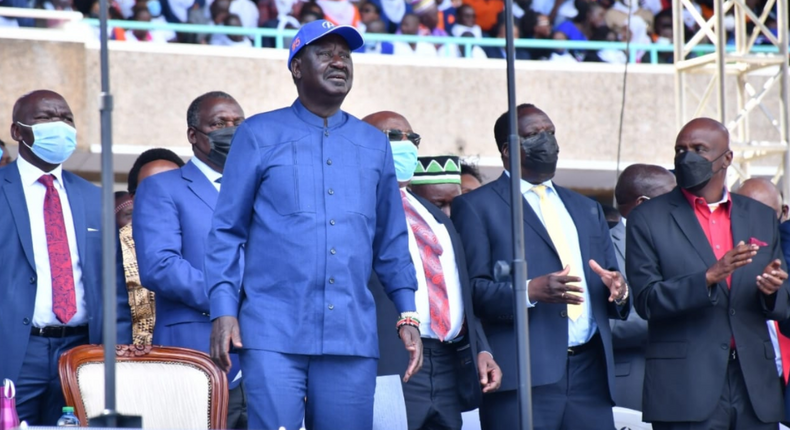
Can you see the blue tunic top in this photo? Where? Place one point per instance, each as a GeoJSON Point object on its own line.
{"type": "Point", "coordinates": [315, 204]}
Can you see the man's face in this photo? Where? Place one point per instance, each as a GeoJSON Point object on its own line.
{"type": "Point", "coordinates": [469, 183]}
{"type": "Point", "coordinates": [706, 142]}
{"type": "Point", "coordinates": [441, 195]}
{"type": "Point", "coordinates": [124, 216]}
{"type": "Point", "coordinates": [597, 16]}
{"type": "Point", "coordinates": [368, 13]}
{"type": "Point", "coordinates": [213, 114]}
{"type": "Point", "coordinates": [325, 67]}
{"type": "Point", "coordinates": [467, 16]}
{"type": "Point", "coordinates": [664, 27]}
{"type": "Point", "coordinates": [410, 24]}
{"type": "Point", "coordinates": [430, 18]}
{"type": "Point", "coordinates": [39, 108]}
{"type": "Point", "coordinates": [531, 121]}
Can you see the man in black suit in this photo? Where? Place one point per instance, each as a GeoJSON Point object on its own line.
{"type": "Point", "coordinates": [707, 271]}
{"type": "Point", "coordinates": [571, 295]}
{"type": "Point", "coordinates": [637, 184]}
{"type": "Point", "coordinates": [457, 365]}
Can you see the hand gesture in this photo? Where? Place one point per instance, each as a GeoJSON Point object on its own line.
{"type": "Point", "coordinates": [613, 280]}
{"type": "Point", "coordinates": [489, 372]}
{"type": "Point", "coordinates": [737, 257]}
{"type": "Point", "coordinates": [556, 288]}
{"type": "Point", "coordinates": [772, 278]}
{"type": "Point", "coordinates": [224, 330]}
{"type": "Point", "coordinates": [411, 340]}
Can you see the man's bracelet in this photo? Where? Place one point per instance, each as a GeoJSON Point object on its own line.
{"type": "Point", "coordinates": [622, 300]}
{"type": "Point", "coordinates": [408, 318]}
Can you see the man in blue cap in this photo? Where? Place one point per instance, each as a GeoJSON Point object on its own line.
{"type": "Point", "coordinates": [310, 197]}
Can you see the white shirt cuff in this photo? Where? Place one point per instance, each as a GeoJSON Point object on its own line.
{"type": "Point", "coordinates": [530, 304]}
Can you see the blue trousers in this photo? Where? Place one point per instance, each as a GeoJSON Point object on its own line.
{"type": "Point", "coordinates": [327, 391]}
{"type": "Point", "coordinates": [39, 397]}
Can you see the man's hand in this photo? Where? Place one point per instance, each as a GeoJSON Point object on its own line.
{"type": "Point", "coordinates": [772, 278]}
{"type": "Point", "coordinates": [737, 257]}
{"type": "Point", "coordinates": [224, 330]}
{"type": "Point", "coordinates": [613, 280]}
{"type": "Point", "coordinates": [489, 371]}
{"type": "Point", "coordinates": [555, 288]}
{"type": "Point", "coordinates": [411, 340]}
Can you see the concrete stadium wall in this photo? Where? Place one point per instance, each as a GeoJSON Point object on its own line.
{"type": "Point", "coordinates": [452, 103]}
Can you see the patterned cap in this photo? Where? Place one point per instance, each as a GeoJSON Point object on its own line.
{"type": "Point", "coordinates": [443, 169]}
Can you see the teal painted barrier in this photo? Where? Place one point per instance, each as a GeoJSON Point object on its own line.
{"type": "Point", "coordinates": [257, 35]}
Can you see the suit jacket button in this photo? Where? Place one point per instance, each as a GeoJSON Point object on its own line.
{"type": "Point", "coordinates": [564, 313]}
{"type": "Point", "coordinates": [725, 346]}
{"type": "Point", "coordinates": [26, 321]}
{"type": "Point", "coordinates": [732, 311]}
{"type": "Point", "coordinates": [32, 279]}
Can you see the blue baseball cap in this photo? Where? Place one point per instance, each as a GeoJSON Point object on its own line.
{"type": "Point", "coordinates": [317, 29]}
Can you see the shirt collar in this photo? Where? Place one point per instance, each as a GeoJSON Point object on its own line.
{"type": "Point", "coordinates": [305, 115]}
{"type": "Point", "coordinates": [696, 200]}
{"type": "Point", "coordinates": [526, 186]}
{"type": "Point", "coordinates": [211, 174]}
{"type": "Point", "coordinates": [30, 174]}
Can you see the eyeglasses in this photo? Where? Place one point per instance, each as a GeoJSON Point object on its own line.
{"type": "Point", "coordinates": [399, 135]}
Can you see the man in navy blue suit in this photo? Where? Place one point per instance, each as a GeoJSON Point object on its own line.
{"type": "Point", "coordinates": [574, 287]}
{"type": "Point", "coordinates": [312, 200]}
{"type": "Point", "coordinates": [170, 224]}
{"type": "Point", "coordinates": [50, 240]}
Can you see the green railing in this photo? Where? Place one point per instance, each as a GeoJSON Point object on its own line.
{"type": "Point", "coordinates": [258, 34]}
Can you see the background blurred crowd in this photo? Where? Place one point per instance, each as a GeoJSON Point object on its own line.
{"type": "Point", "coordinates": [577, 20]}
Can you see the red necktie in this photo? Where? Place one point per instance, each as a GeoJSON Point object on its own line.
{"type": "Point", "coordinates": [784, 349]}
{"type": "Point", "coordinates": [64, 303]}
{"type": "Point", "coordinates": [430, 250]}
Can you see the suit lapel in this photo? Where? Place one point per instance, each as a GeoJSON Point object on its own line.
{"type": "Point", "coordinates": [531, 220]}
{"type": "Point", "coordinates": [618, 233]}
{"type": "Point", "coordinates": [15, 195]}
{"type": "Point", "coordinates": [739, 222]}
{"type": "Point", "coordinates": [77, 206]}
{"type": "Point", "coordinates": [200, 185]}
{"type": "Point", "coordinates": [685, 218]}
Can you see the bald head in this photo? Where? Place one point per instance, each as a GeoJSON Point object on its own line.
{"type": "Point", "coordinates": [22, 105]}
{"type": "Point", "coordinates": [699, 140]}
{"type": "Point", "coordinates": [705, 130]}
{"type": "Point", "coordinates": [41, 106]}
{"type": "Point", "coordinates": [640, 182]}
{"type": "Point", "coordinates": [387, 120]}
{"type": "Point", "coordinates": [764, 191]}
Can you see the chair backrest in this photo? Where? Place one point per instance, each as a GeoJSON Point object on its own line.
{"type": "Point", "coordinates": [171, 388]}
{"type": "Point", "coordinates": [389, 407]}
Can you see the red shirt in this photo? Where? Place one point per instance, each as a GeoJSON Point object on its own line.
{"type": "Point", "coordinates": [717, 227]}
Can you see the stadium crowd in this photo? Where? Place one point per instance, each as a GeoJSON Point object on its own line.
{"type": "Point", "coordinates": [638, 21]}
{"type": "Point", "coordinates": [308, 251]}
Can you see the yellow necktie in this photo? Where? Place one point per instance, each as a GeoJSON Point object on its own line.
{"type": "Point", "coordinates": [551, 221]}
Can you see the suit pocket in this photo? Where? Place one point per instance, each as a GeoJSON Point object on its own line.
{"type": "Point", "coordinates": [664, 350]}
{"type": "Point", "coordinates": [622, 369]}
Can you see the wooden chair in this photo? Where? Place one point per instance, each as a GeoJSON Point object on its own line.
{"type": "Point", "coordinates": [171, 388]}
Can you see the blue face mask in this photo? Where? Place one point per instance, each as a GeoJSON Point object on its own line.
{"type": "Point", "coordinates": [154, 8]}
{"type": "Point", "coordinates": [53, 142]}
{"type": "Point", "coordinates": [404, 154]}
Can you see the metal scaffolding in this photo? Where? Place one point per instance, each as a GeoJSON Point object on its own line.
{"type": "Point", "coordinates": [736, 63]}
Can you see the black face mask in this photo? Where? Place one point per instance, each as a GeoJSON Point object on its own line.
{"type": "Point", "coordinates": [694, 171]}
{"type": "Point", "coordinates": [220, 144]}
{"type": "Point", "coordinates": [540, 153]}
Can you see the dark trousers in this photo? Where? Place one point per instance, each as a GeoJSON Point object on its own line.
{"type": "Point", "coordinates": [431, 395]}
{"type": "Point", "coordinates": [734, 411]}
{"type": "Point", "coordinates": [338, 390]}
{"type": "Point", "coordinates": [237, 409]}
{"type": "Point", "coordinates": [578, 401]}
{"type": "Point", "coordinates": [39, 397]}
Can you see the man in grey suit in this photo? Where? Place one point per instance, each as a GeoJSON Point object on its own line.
{"type": "Point", "coordinates": [637, 184]}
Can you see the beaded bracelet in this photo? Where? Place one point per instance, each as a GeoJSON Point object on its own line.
{"type": "Point", "coordinates": [408, 318]}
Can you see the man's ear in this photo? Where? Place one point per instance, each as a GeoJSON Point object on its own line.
{"type": "Point", "coordinates": [191, 136]}
{"type": "Point", "coordinates": [296, 68]}
{"type": "Point", "coordinates": [15, 132]}
{"type": "Point", "coordinates": [728, 159]}
{"type": "Point", "coordinates": [505, 150]}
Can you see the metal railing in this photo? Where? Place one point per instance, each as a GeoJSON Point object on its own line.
{"type": "Point", "coordinates": [257, 35]}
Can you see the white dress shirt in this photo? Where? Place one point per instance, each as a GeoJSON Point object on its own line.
{"type": "Point", "coordinates": [451, 279]}
{"type": "Point", "coordinates": [34, 197]}
{"type": "Point", "coordinates": [583, 329]}
{"type": "Point", "coordinates": [210, 174]}
{"type": "Point", "coordinates": [775, 343]}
